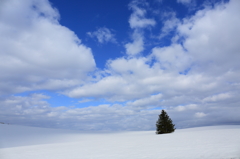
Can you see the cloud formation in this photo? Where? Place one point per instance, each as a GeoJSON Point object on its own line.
{"type": "Point", "coordinates": [186, 73]}
{"type": "Point", "coordinates": [137, 46]}
{"type": "Point", "coordinates": [137, 18]}
{"type": "Point", "coordinates": [36, 51]}
{"type": "Point", "coordinates": [138, 22]}
{"type": "Point", "coordinates": [195, 78]}
{"type": "Point", "coordinates": [170, 23]}
{"type": "Point", "coordinates": [103, 35]}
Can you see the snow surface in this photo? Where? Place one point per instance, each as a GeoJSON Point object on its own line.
{"type": "Point", "coordinates": [215, 142]}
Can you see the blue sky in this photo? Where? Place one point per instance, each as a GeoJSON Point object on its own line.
{"type": "Point", "coordinates": [88, 16]}
{"type": "Point", "coordinates": [113, 65]}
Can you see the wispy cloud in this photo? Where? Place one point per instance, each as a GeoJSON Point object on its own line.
{"type": "Point", "coordinates": [170, 23]}
{"type": "Point", "coordinates": [138, 22]}
{"type": "Point", "coordinates": [184, 1]}
{"type": "Point", "coordinates": [103, 35]}
{"type": "Point", "coordinates": [138, 17]}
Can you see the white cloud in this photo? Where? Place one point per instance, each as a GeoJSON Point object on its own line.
{"type": "Point", "coordinates": [126, 81]}
{"type": "Point", "coordinates": [137, 46]}
{"type": "Point", "coordinates": [34, 111]}
{"type": "Point", "coordinates": [37, 50]}
{"type": "Point", "coordinates": [218, 97]}
{"type": "Point", "coordinates": [186, 107]}
{"type": "Point", "coordinates": [173, 58]}
{"type": "Point", "coordinates": [148, 102]}
{"type": "Point", "coordinates": [196, 78]}
{"type": "Point", "coordinates": [211, 37]}
{"type": "Point", "coordinates": [200, 114]}
{"type": "Point", "coordinates": [138, 22]}
{"type": "Point", "coordinates": [169, 24]}
{"type": "Point", "coordinates": [103, 35]}
{"type": "Point", "coordinates": [137, 18]}
{"type": "Point", "coordinates": [192, 77]}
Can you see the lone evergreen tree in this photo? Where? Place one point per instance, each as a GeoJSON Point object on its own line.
{"type": "Point", "coordinates": [164, 124]}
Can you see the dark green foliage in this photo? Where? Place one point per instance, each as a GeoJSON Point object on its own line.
{"type": "Point", "coordinates": [164, 124]}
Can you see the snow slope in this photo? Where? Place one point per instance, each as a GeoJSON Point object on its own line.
{"type": "Point", "coordinates": [216, 142]}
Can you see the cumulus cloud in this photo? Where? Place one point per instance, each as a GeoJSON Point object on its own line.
{"type": "Point", "coordinates": [126, 81]}
{"type": "Point", "coordinates": [197, 75]}
{"type": "Point", "coordinates": [137, 46]}
{"type": "Point", "coordinates": [173, 58]}
{"type": "Point", "coordinates": [195, 78]}
{"type": "Point", "coordinates": [138, 22]}
{"type": "Point", "coordinates": [103, 35]}
{"type": "Point", "coordinates": [36, 51]}
{"type": "Point", "coordinates": [208, 35]}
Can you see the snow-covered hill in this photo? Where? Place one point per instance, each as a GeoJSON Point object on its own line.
{"type": "Point", "coordinates": [215, 142]}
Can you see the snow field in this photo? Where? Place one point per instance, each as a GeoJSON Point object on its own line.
{"type": "Point", "coordinates": [215, 142]}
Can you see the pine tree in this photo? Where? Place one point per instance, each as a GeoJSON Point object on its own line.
{"type": "Point", "coordinates": [164, 124]}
